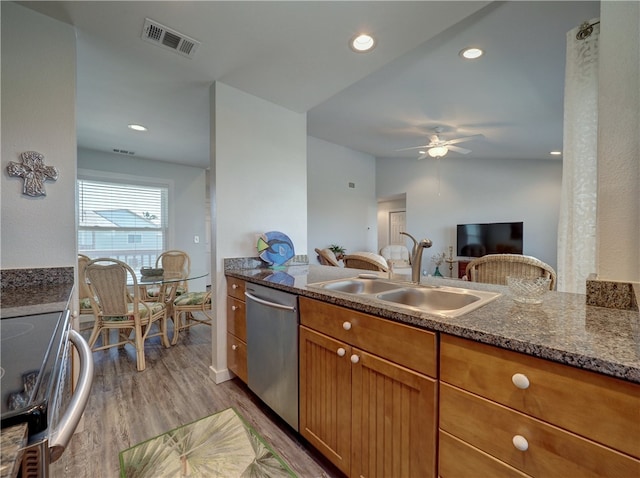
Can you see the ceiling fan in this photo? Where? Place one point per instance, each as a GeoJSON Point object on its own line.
{"type": "Point", "coordinates": [438, 147]}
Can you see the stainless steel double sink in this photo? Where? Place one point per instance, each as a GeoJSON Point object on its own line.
{"type": "Point", "coordinates": [439, 300]}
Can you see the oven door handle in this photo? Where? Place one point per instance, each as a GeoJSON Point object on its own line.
{"type": "Point", "coordinates": [69, 422]}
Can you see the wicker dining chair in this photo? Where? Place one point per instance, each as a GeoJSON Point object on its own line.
{"type": "Point", "coordinates": [175, 263]}
{"type": "Point", "coordinates": [186, 312]}
{"type": "Point", "coordinates": [84, 295]}
{"type": "Point", "coordinates": [494, 268]}
{"type": "Point", "coordinates": [366, 260]}
{"type": "Point", "coordinates": [327, 257]}
{"type": "Point", "coordinates": [115, 299]}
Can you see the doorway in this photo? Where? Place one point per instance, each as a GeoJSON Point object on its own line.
{"type": "Point", "coordinates": [397, 224]}
{"type": "Point", "coordinates": [392, 218]}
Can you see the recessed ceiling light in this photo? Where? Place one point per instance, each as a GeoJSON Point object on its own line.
{"type": "Point", "coordinates": [137, 127]}
{"type": "Point", "coordinates": [471, 53]}
{"type": "Point", "coordinates": [555, 153]}
{"type": "Point", "coordinates": [362, 43]}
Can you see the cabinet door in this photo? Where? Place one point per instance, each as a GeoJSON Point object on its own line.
{"type": "Point", "coordinates": [237, 356]}
{"type": "Point", "coordinates": [325, 396]}
{"type": "Point", "coordinates": [394, 419]}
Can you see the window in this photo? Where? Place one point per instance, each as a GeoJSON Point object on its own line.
{"type": "Point", "coordinates": [124, 221]}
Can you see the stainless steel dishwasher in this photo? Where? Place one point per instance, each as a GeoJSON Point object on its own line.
{"type": "Point", "coordinates": [272, 349]}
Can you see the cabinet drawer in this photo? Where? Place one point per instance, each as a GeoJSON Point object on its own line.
{"type": "Point", "coordinates": [405, 345]}
{"type": "Point", "coordinates": [237, 356]}
{"type": "Point", "coordinates": [601, 408]}
{"type": "Point", "coordinates": [458, 459]}
{"type": "Point", "coordinates": [236, 318]}
{"type": "Point", "coordinates": [550, 450]}
{"type": "Point", "coordinates": [235, 287]}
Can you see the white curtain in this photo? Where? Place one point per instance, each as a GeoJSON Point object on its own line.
{"type": "Point", "coordinates": [577, 223]}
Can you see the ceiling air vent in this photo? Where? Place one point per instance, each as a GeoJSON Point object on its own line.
{"type": "Point", "coordinates": [158, 34]}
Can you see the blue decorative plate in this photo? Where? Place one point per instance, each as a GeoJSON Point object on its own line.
{"type": "Point", "coordinates": [275, 248]}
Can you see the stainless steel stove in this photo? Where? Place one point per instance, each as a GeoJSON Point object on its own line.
{"type": "Point", "coordinates": [35, 384]}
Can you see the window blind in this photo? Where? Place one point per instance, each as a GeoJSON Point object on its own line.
{"type": "Point", "coordinates": [124, 221]}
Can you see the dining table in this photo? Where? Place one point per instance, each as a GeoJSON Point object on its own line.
{"type": "Point", "coordinates": [168, 285]}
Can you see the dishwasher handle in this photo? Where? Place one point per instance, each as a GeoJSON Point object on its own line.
{"type": "Point", "coordinates": [269, 303]}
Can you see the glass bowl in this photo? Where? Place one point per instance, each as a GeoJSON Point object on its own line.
{"type": "Point", "coordinates": [528, 290]}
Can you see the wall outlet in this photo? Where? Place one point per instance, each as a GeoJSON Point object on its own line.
{"type": "Point", "coordinates": [196, 239]}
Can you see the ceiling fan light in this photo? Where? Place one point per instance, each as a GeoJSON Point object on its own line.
{"type": "Point", "coordinates": [438, 151]}
{"type": "Point", "coordinates": [137, 127]}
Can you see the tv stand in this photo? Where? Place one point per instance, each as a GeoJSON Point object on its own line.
{"type": "Point", "coordinates": [462, 267]}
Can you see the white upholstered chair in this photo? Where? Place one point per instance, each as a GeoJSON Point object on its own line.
{"type": "Point", "coordinates": [398, 258]}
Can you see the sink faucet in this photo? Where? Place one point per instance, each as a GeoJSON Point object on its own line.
{"type": "Point", "coordinates": [416, 256]}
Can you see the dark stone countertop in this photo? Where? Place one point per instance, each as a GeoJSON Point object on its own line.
{"type": "Point", "coordinates": [29, 300]}
{"type": "Point", "coordinates": [562, 329]}
{"type": "Point", "coordinates": [34, 291]}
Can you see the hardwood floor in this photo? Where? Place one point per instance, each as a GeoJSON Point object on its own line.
{"type": "Point", "coordinates": [127, 407]}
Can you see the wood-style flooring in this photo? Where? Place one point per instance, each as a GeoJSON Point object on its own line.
{"type": "Point", "coordinates": [127, 407]}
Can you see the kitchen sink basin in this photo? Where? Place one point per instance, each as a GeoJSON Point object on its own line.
{"type": "Point", "coordinates": [361, 286]}
{"type": "Point", "coordinates": [439, 300]}
{"type": "Point", "coordinates": [429, 298]}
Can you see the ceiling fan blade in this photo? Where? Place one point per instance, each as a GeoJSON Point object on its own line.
{"type": "Point", "coordinates": [460, 140]}
{"type": "Point", "coordinates": [414, 147]}
{"type": "Point", "coordinates": [458, 149]}
{"type": "Point", "coordinates": [423, 155]}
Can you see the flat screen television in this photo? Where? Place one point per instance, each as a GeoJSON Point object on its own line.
{"type": "Point", "coordinates": [477, 240]}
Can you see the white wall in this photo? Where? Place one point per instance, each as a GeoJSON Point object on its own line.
{"type": "Point", "coordinates": [618, 216]}
{"type": "Point", "coordinates": [258, 184]}
{"type": "Point", "coordinates": [472, 191]}
{"type": "Point", "coordinates": [38, 114]}
{"type": "Point", "coordinates": [339, 214]}
{"type": "Point", "coordinates": [187, 200]}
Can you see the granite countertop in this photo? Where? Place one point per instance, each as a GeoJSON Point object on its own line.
{"type": "Point", "coordinates": [34, 299]}
{"type": "Point", "coordinates": [562, 329]}
{"type": "Point", "coordinates": [34, 290]}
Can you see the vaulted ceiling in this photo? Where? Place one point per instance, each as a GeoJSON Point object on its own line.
{"type": "Point", "coordinates": [296, 54]}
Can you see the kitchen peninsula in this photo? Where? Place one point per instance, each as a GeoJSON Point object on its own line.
{"type": "Point", "coordinates": [542, 385]}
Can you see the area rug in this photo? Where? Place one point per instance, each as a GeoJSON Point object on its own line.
{"type": "Point", "coordinates": [220, 445]}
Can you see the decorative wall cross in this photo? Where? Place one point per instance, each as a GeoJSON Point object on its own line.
{"type": "Point", "coordinates": [34, 173]}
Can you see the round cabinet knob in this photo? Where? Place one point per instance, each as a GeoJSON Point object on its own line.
{"type": "Point", "coordinates": [341, 352]}
{"type": "Point", "coordinates": [520, 380]}
{"type": "Point", "coordinates": [234, 347]}
{"type": "Point", "coordinates": [234, 286]}
{"type": "Point", "coordinates": [355, 358]}
{"type": "Point", "coordinates": [234, 308]}
{"type": "Point", "coordinates": [346, 325]}
{"type": "Point", "coordinates": [520, 443]}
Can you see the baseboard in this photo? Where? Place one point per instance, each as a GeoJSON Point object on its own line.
{"type": "Point", "coordinates": [220, 376]}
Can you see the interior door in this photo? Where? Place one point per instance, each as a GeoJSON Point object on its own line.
{"type": "Point", "coordinates": [397, 223]}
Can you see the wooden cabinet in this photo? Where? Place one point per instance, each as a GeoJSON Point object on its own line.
{"type": "Point", "coordinates": [366, 401]}
{"type": "Point", "coordinates": [502, 410]}
{"type": "Point", "coordinates": [236, 328]}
